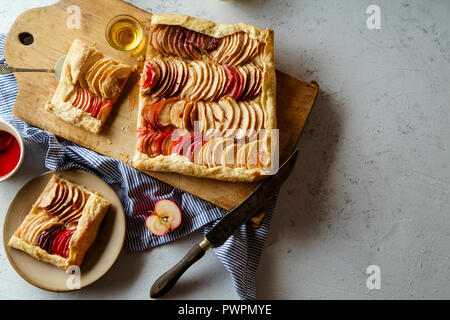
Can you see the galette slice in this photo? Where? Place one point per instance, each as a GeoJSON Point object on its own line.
{"type": "Point", "coordinates": [89, 86]}
{"type": "Point", "coordinates": [62, 224]}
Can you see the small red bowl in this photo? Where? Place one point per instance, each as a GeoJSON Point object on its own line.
{"type": "Point", "coordinates": [5, 126]}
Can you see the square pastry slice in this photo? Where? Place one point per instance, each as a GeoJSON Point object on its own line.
{"type": "Point", "coordinates": [89, 86]}
{"type": "Point", "coordinates": [62, 224]}
{"type": "Point", "coordinates": [207, 100]}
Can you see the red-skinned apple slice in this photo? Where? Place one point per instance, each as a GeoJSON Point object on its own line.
{"type": "Point", "coordinates": [193, 151]}
{"type": "Point", "coordinates": [83, 98]}
{"type": "Point", "coordinates": [231, 80]}
{"type": "Point", "coordinates": [149, 76]}
{"type": "Point", "coordinates": [165, 218]}
{"type": "Point", "coordinates": [96, 107]}
{"type": "Point", "coordinates": [242, 81]}
{"type": "Point", "coordinates": [105, 110]}
{"type": "Point", "coordinates": [182, 147]}
{"type": "Point", "coordinates": [76, 101]}
{"type": "Point", "coordinates": [163, 113]}
{"type": "Point", "coordinates": [61, 243]}
{"type": "Point", "coordinates": [165, 144]}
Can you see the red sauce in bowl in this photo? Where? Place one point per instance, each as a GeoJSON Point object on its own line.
{"type": "Point", "coordinates": [9, 153]}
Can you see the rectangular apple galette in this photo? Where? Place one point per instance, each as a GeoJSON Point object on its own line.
{"type": "Point", "coordinates": [89, 86]}
{"type": "Point", "coordinates": [207, 100]}
{"type": "Point", "coordinates": [62, 224]}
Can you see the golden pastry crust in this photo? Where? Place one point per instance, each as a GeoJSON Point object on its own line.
{"type": "Point", "coordinates": [267, 98]}
{"type": "Point", "coordinates": [210, 28]}
{"type": "Point", "coordinates": [78, 61]}
{"type": "Point", "coordinates": [92, 215]}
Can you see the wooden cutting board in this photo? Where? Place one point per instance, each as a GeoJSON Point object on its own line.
{"type": "Point", "coordinates": [52, 39]}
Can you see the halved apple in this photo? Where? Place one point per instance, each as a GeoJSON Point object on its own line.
{"type": "Point", "coordinates": [165, 218]}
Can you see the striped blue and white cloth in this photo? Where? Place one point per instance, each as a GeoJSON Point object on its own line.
{"type": "Point", "coordinates": [240, 254]}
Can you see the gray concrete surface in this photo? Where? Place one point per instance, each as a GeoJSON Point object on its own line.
{"type": "Point", "coordinates": [372, 186]}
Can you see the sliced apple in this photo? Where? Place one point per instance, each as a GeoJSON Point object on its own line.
{"type": "Point", "coordinates": [193, 151]}
{"type": "Point", "coordinates": [206, 152]}
{"type": "Point", "coordinates": [242, 80]}
{"type": "Point", "coordinates": [165, 144]}
{"type": "Point", "coordinates": [229, 156]}
{"type": "Point", "coordinates": [153, 36]}
{"type": "Point", "coordinates": [96, 79]}
{"type": "Point", "coordinates": [233, 47]}
{"type": "Point", "coordinates": [164, 77]}
{"type": "Point", "coordinates": [187, 115]}
{"type": "Point", "coordinates": [182, 144]}
{"type": "Point", "coordinates": [253, 155]}
{"type": "Point", "coordinates": [200, 75]}
{"type": "Point", "coordinates": [55, 196]}
{"type": "Point", "coordinates": [228, 113]}
{"type": "Point", "coordinates": [67, 201]}
{"type": "Point", "coordinates": [219, 148]}
{"type": "Point", "coordinates": [243, 55]}
{"type": "Point", "coordinates": [218, 53]}
{"type": "Point", "coordinates": [245, 121]}
{"type": "Point", "coordinates": [48, 197]}
{"type": "Point", "coordinates": [150, 75]}
{"type": "Point", "coordinates": [191, 82]}
{"type": "Point", "coordinates": [97, 105]}
{"type": "Point", "coordinates": [105, 110]}
{"type": "Point", "coordinates": [93, 71]}
{"type": "Point", "coordinates": [260, 116]}
{"type": "Point", "coordinates": [242, 154]}
{"type": "Point", "coordinates": [234, 126]}
{"type": "Point", "coordinates": [81, 77]}
{"type": "Point", "coordinates": [177, 114]}
{"type": "Point", "coordinates": [61, 242]}
{"type": "Point", "coordinates": [209, 121]}
{"type": "Point", "coordinates": [163, 112]}
{"type": "Point", "coordinates": [242, 47]}
{"type": "Point", "coordinates": [113, 84]}
{"type": "Point", "coordinates": [62, 198]}
{"type": "Point", "coordinates": [218, 116]}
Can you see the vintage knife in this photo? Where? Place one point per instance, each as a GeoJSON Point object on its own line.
{"type": "Point", "coordinates": [225, 228]}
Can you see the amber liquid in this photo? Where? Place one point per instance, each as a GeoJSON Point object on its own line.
{"type": "Point", "coordinates": [124, 34]}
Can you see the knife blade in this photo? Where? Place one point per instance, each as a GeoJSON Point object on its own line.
{"type": "Point", "coordinates": [225, 228]}
{"type": "Point", "coordinates": [247, 209]}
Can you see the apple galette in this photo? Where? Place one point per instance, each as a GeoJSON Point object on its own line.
{"type": "Point", "coordinates": [207, 100]}
{"type": "Point", "coordinates": [89, 86]}
{"type": "Point", "coordinates": [62, 224]}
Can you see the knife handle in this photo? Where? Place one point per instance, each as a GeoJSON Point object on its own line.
{"type": "Point", "coordinates": [168, 279]}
